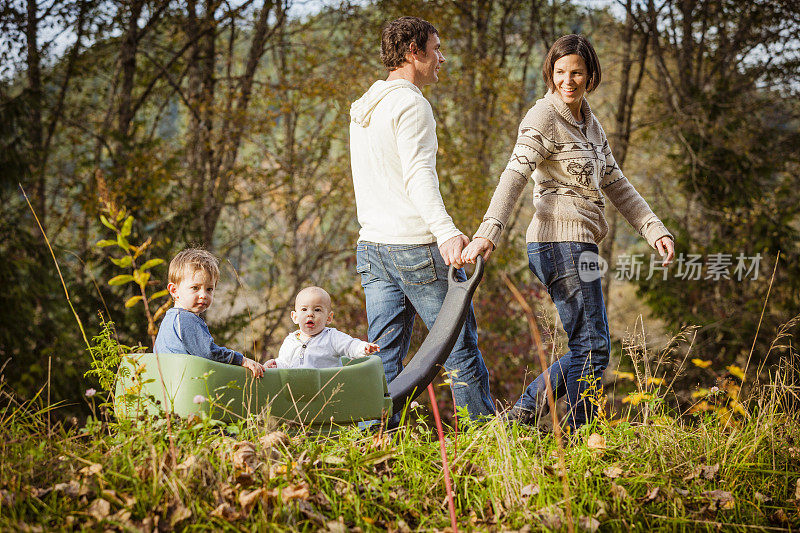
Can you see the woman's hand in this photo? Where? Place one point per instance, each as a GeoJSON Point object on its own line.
{"type": "Point", "coordinates": [478, 246]}
{"type": "Point", "coordinates": [666, 248]}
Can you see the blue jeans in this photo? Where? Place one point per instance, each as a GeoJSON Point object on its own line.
{"type": "Point", "coordinates": [402, 280]}
{"type": "Point", "coordinates": [580, 305]}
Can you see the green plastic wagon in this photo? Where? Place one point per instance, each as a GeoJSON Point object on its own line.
{"type": "Point", "coordinates": [187, 385]}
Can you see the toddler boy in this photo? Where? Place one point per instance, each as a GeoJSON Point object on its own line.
{"type": "Point", "coordinates": [314, 345]}
{"type": "Point", "coordinates": [193, 275]}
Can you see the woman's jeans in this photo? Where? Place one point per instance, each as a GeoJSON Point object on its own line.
{"type": "Point", "coordinates": [578, 296]}
{"type": "Point", "coordinates": [401, 281]}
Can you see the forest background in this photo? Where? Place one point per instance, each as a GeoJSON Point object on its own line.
{"type": "Point", "coordinates": [139, 127]}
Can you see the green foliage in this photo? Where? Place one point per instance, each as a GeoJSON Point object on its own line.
{"type": "Point", "coordinates": [122, 225]}
{"type": "Point", "coordinates": [730, 141]}
{"type": "Point", "coordinates": [106, 352]}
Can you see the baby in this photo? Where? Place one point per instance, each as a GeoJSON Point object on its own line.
{"type": "Point", "coordinates": [314, 345]}
{"type": "Point", "coordinates": [193, 275]}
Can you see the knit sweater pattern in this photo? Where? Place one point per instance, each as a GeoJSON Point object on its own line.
{"type": "Point", "coordinates": [573, 169]}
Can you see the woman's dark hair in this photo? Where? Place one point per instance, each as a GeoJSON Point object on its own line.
{"type": "Point", "coordinates": [573, 44]}
{"type": "Point", "coordinates": [397, 37]}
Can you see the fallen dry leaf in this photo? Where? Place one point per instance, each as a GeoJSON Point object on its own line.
{"type": "Point", "coordinates": [529, 490]}
{"type": "Point", "coordinates": [150, 523]}
{"type": "Point", "coordinates": [651, 495]}
{"type": "Point", "coordinates": [596, 442]}
{"type": "Point", "coordinates": [762, 498]}
{"type": "Point", "coordinates": [693, 474]}
{"type": "Point", "coordinates": [612, 471]}
{"type": "Point", "coordinates": [381, 440]}
{"type": "Point", "coordinates": [73, 489]}
{"type": "Point", "coordinates": [111, 496]}
{"type": "Point", "coordinates": [720, 499]}
{"type": "Point", "coordinates": [225, 493]}
{"type": "Point", "coordinates": [244, 455]}
{"type": "Point", "coordinates": [295, 492]}
{"type": "Point", "coordinates": [187, 463]}
{"type": "Point", "coordinates": [334, 526]}
{"type": "Point", "coordinates": [550, 517]}
{"type": "Point", "coordinates": [554, 470]}
{"type": "Point", "coordinates": [402, 527]}
{"type": "Point", "coordinates": [378, 457]}
{"type": "Point", "coordinates": [123, 516]}
{"type": "Point", "coordinates": [35, 492]}
{"type": "Point", "coordinates": [248, 499]}
{"type": "Point", "coordinates": [179, 513]}
{"type": "Point", "coordinates": [588, 523]}
{"type": "Point", "coordinates": [99, 509]}
{"type": "Point", "coordinates": [226, 512]}
{"type": "Point", "coordinates": [797, 491]}
{"type": "Point", "coordinates": [710, 472]}
{"type": "Point", "coordinates": [7, 498]}
{"type": "Point", "coordinates": [780, 517]}
{"type": "Point", "coordinates": [274, 439]}
{"type": "Point", "coordinates": [602, 513]}
{"type": "Point", "coordinates": [618, 491]}
{"type": "Point", "coordinates": [91, 470]}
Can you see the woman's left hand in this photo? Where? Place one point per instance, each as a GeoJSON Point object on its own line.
{"type": "Point", "coordinates": [666, 248]}
{"type": "Point", "coordinates": [478, 246]}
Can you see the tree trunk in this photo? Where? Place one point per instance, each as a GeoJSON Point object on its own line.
{"type": "Point", "coordinates": [35, 103]}
{"type": "Point", "coordinates": [621, 134]}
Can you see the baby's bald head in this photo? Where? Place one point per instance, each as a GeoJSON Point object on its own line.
{"type": "Point", "coordinates": [313, 295]}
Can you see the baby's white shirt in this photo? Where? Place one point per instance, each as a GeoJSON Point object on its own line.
{"type": "Point", "coordinates": [323, 350]}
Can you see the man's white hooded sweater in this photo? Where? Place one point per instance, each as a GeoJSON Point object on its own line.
{"type": "Point", "coordinates": [393, 157]}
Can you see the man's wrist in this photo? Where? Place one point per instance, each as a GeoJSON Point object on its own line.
{"type": "Point", "coordinates": [449, 236]}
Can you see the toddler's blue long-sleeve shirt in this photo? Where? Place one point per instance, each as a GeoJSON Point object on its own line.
{"type": "Point", "coordinates": [182, 331]}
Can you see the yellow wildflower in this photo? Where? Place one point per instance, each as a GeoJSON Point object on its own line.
{"type": "Point", "coordinates": [624, 375]}
{"type": "Point", "coordinates": [635, 398]}
{"type": "Point", "coordinates": [735, 371]}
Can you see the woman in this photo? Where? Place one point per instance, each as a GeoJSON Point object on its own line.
{"type": "Point", "coordinates": [562, 145]}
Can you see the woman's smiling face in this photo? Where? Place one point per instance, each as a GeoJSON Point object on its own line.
{"type": "Point", "coordinates": [570, 77]}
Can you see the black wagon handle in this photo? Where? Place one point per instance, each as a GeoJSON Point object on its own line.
{"type": "Point", "coordinates": [426, 363]}
{"type": "Point", "coordinates": [472, 282]}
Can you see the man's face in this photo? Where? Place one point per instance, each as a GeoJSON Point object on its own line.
{"type": "Point", "coordinates": [427, 64]}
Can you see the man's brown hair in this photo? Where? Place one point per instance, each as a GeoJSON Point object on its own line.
{"type": "Point", "coordinates": [191, 260]}
{"type": "Point", "coordinates": [397, 37]}
{"type": "Point", "coordinates": [573, 44]}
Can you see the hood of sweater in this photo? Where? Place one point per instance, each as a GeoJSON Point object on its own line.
{"type": "Point", "coordinates": [565, 111]}
{"type": "Point", "coordinates": [361, 110]}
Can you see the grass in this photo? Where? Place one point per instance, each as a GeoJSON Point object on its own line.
{"type": "Point", "coordinates": [680, 474]}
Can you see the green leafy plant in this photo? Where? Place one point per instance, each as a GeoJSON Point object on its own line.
{"type": "Point", "coordinates": [117, 220]}
{"type": "Point", "coordinates": [106, 352]}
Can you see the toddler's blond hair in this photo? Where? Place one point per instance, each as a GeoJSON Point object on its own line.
{"type": "Point", "coordinates": [189, 261]}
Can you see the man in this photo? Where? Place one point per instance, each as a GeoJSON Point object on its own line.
{"type": "Point", "coordinates": [407, 239]}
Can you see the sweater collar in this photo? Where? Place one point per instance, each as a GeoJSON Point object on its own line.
{"type": "Point", "coordinates": [564, 110]}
